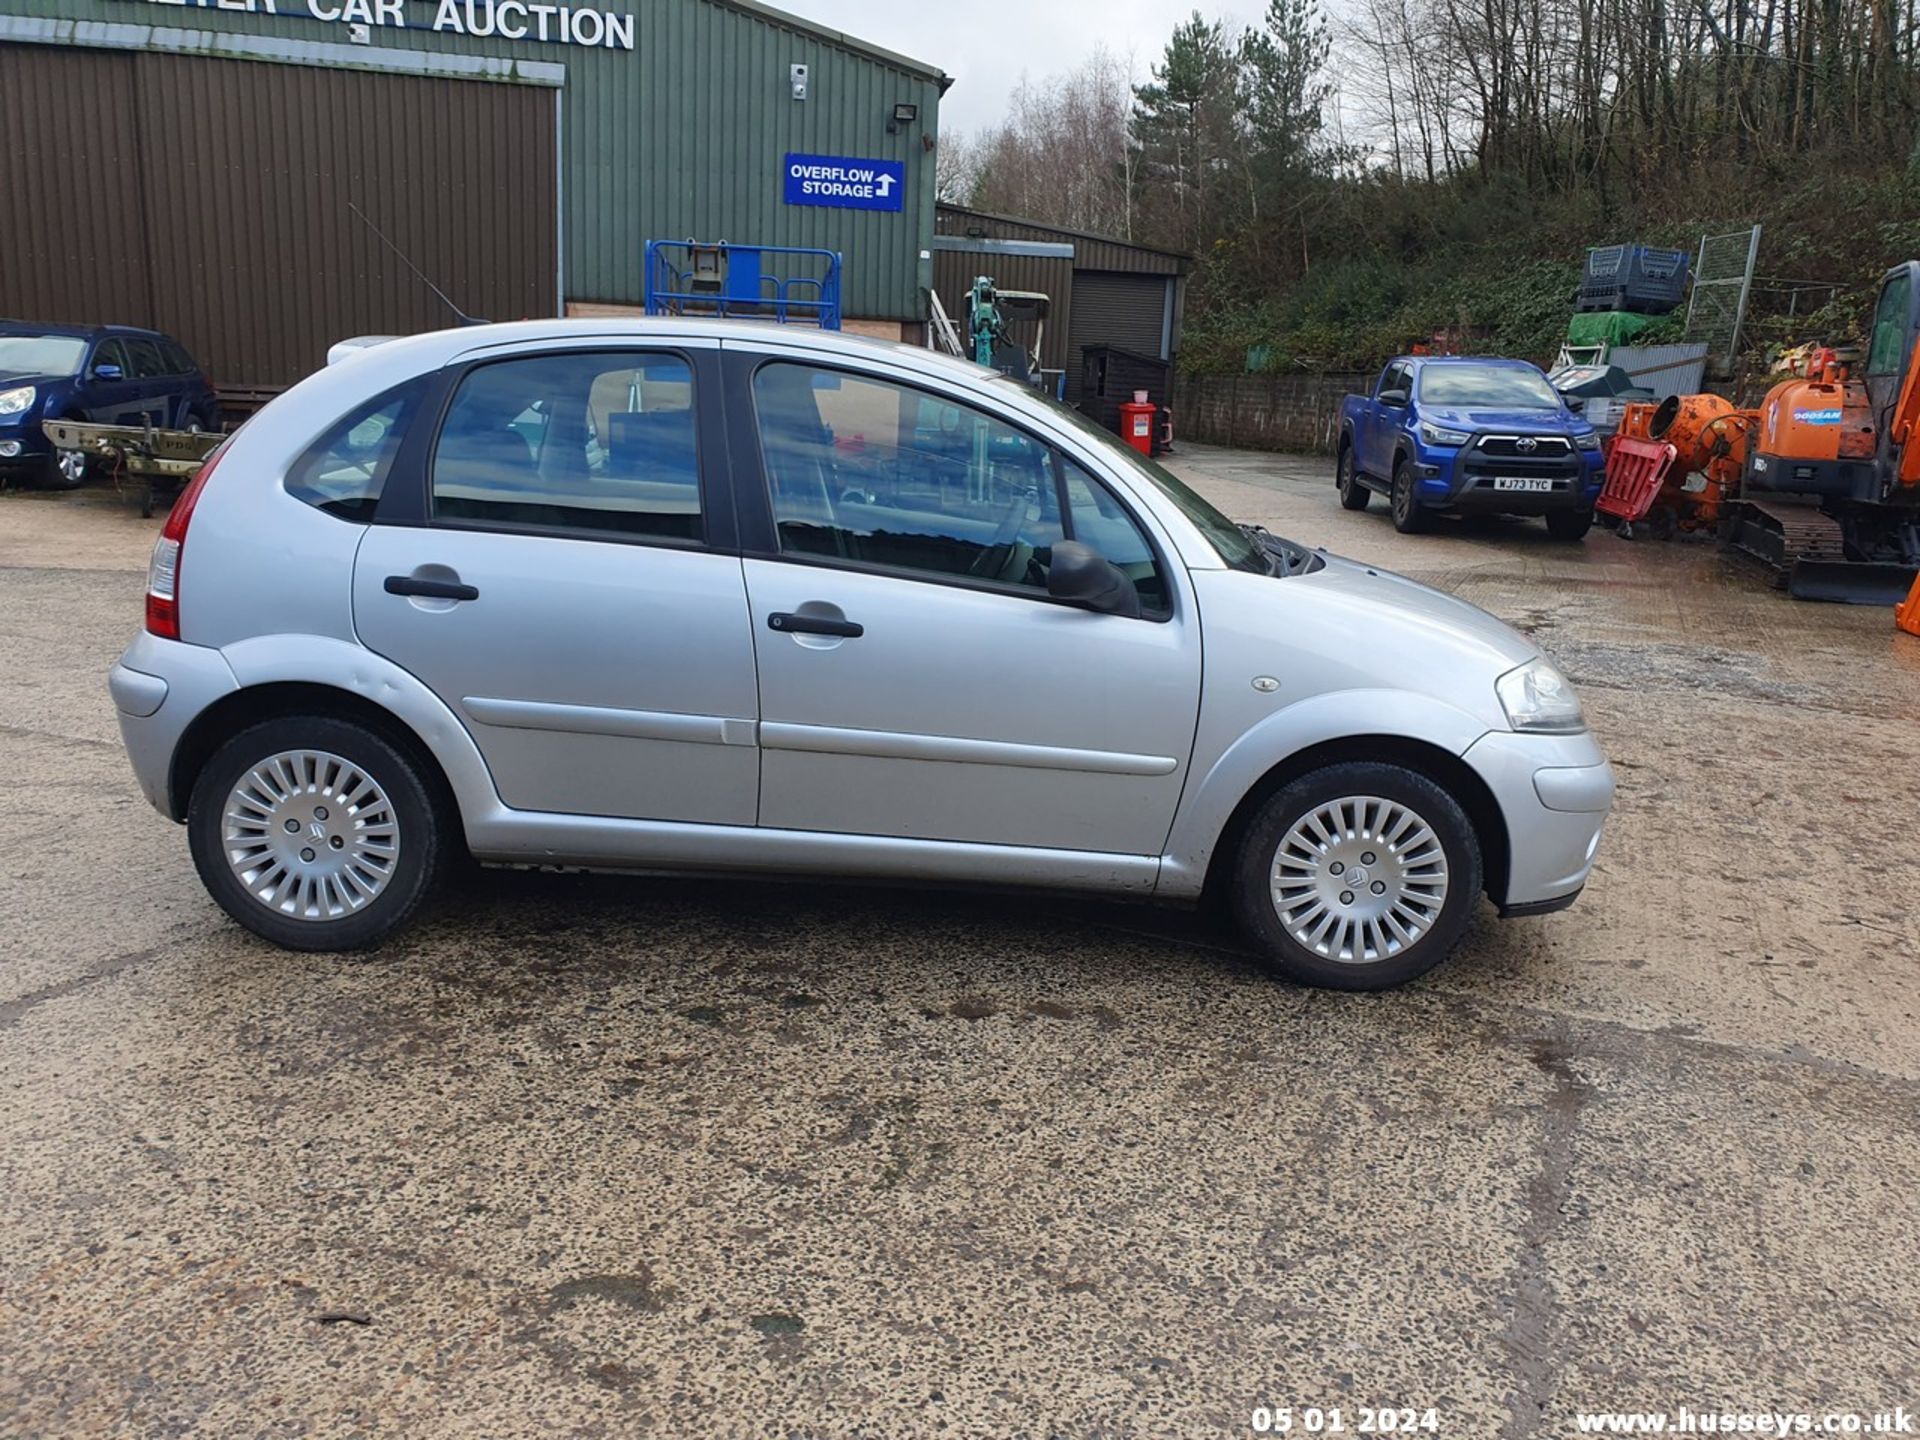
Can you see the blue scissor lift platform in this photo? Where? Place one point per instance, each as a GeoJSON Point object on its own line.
{"type": "Point", "coordinates": [780, 283]}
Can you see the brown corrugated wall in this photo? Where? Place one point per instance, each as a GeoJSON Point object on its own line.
{"type": "Point", "coordinates": [954, 272]}
{"type": "Point", "coordinates": [231, 181]}
{"type": "Point", "coordinates": [73, 247]}
{"type": "Point", "coordinates": [1090, 252]}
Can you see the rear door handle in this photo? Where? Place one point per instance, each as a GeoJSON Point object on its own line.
{"type": "Point", "coordinates": [431, 589]}
{"type": "Point", "coordinates": [787, 623]}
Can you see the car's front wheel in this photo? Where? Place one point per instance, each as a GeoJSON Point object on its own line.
{"type": "Point", "coordinates": [1409, 516]}
{"type": "Point", "coordinates": [1358, 876]}
{"type": "Point", "coordinates": [316, 833]}
{"type": "Point", "coordinates": [66, 470]}
{"type": "Point", "coordinates": [1570, 524]}
{"type": "Point", "coordinates": [1353, 493]}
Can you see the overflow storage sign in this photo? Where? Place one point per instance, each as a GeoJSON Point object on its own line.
{"type": "Point", "coordinates": [846, 183]}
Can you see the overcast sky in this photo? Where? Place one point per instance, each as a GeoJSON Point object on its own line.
{"type": "Point", "coordinates": [987, 44]}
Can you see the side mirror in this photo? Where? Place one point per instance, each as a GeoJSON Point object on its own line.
{"type": "Point", "coordinates": [108, 372]}
{"type": "Point", "coordinates": [1082, 575]}
{"type": "Point", "coordinates": [1395, 398]}
{"type": "Point", "coordinates": [1576, 403]}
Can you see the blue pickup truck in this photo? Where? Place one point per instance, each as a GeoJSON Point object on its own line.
{"type": "Point", "coordinates": [1453, 435]}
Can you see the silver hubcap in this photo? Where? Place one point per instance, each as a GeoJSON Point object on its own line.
{"type": "Point", "coordinates": [1359, 880]}
{"type": "Point", "coordinates": [311, 836]}
{"type": "Point", "coordinates": [73, 465]}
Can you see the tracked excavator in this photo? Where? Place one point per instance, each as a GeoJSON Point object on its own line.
{"type": "Point", "coordinates": [1822, 482]}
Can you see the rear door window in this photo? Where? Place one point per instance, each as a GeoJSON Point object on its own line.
{"type": "Point", "coordinates": [147, 364]}
{"type": "Point", "coordinates": [592, 444]}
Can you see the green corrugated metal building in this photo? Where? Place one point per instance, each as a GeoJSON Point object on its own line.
{"type": "Point", "coordinates": [526, 150]}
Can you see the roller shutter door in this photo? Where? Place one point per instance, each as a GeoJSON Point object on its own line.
{"type": "Point", "coordinates": [1110, 308]}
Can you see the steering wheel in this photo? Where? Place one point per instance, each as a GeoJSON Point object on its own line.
{"type": "Point", "coordinates": [993, 559]}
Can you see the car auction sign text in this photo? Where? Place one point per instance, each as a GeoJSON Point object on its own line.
{"type": "Point", "coordinates": [509, 19]}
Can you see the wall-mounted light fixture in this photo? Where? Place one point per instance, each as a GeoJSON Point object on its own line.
{"type": "Point", "coordinates": [903, 114]}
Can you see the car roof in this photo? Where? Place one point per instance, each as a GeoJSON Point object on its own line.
{"type": "Point", "coordinates": [77, 332]}
{"type": "Point", "coordinates": [474, 342]}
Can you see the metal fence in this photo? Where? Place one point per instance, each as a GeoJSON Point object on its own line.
{"type": "Point", "coordinates": [1722, 285]}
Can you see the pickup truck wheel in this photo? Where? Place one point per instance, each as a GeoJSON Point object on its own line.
{"type": "Point", "coordinates": [1358, 876]}
{"type": "Point", "coordinates": [1570, 524]}
{"type": "Point", "coordinates": [1353, 494]}
{"type": "Point", "coordinates": [1409, 518]}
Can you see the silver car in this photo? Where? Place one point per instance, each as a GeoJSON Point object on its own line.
{"type": "Point", "coordinates": [711, 597]}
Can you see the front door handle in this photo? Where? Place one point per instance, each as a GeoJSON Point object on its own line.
{"type": "Point", "coordinates": [788, 623]}
{"type": "Point", "coordinates": [431, 589]}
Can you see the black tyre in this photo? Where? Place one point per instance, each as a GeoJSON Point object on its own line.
{"type": "Point", "coordinates": [65, 470]}
{"type": "Point", "coordinates": [317, 833]}
{"type": "Point", "coordinates": [1570, 524]}
{"type": "Point", "coordinates": [1354, 495]}
{"type": "Point", "coordinates": [1359, 876]}
{"type": "Point", "coordinates": [1409, 517]}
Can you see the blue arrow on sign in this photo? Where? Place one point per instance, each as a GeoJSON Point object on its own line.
{"type": "Point", "coordinates": [845, 182]}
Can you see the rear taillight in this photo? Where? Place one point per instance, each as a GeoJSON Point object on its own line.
{"type": "Point", "coordinates": [163, 570]}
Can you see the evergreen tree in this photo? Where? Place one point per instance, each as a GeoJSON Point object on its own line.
{"type": "Point", "coordinates": [1189, 127]}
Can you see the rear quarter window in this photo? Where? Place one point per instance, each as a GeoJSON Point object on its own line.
{"type": "Point", "coordinates": [344, 471]}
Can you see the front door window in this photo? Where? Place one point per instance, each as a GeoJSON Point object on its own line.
{"type": "Point", "coordinates": [893, 477]}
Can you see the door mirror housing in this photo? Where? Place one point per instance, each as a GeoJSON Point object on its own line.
{"type": "Point", "coordinates": [1082, 576]}
{"type": "Point", "coordinates": [1396, 398]}
{"type": "Point", "coordinates": [1576, 403]}
{"type": "Point", "coordinates": [108, 372]}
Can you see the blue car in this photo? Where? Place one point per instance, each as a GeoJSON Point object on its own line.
{"type": "Point", "coordinates": [103, 374]}
{"type": "Point", "coordinates": [1460, 435]}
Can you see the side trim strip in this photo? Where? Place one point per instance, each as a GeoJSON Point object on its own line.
{"type": "Point", "coordinates": [521, 837]}
{"type": "Point", "coordinates": [893, 745]}
{"type": "Point", "coordinates": [601, 720]}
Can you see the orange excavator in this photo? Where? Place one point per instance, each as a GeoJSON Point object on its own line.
{"type": "Point", "coordinates": [1822, 481]}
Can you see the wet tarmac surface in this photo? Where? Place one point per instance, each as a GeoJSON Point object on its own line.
{"type": "Point", "coordinates": [601, 1156]}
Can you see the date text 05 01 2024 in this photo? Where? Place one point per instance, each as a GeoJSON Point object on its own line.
{"type": "Point", "coordinates": [1333, 1420]}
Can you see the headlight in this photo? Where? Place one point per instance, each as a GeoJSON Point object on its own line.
{"type": "Point", "coordinates": [1537, 698]}
{"type": "Point", "coordinates": [1588, 441]}
{"type": "Point", "coordinates": [1439, 434]}
{"type": "Point", "coordinates": [13, 402]}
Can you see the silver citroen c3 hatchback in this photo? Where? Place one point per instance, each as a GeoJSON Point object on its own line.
{"type": "Point", "coordinates": [713, 597]}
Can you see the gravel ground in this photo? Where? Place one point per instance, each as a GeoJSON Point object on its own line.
{"type": "Point", "coordinates": [627, 1157]}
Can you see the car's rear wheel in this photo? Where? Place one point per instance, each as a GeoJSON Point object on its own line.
{"type": "Point", "coordinates": [1358, 876]}
{"type": "Point", "coordinates": [1353, 494]}
{"type": "Point", "coordinates": [1570, 524]}
{"type": "Point", "coordinates": [1409, 516]}
{"type": "Point", "coordinates": [316, 833]}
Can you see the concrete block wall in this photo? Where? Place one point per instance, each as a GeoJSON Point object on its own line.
{"type": "Point", "coordinates": [1299, 413]}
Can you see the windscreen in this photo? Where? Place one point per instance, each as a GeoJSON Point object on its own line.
{"type": "Point", "coordinates": [40, 354]}
{"type": "Point", "coordinates": [1486, 387]}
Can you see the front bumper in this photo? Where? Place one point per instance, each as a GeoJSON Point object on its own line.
{"type": "Point", "coordinates": [1554, 791]}
{"type": "Point", "coordinates": [30, 448]}
{"type": "Point", "coordinates": [159, 688]}
{"type": "Point", "coordinates": [1462, 481]}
